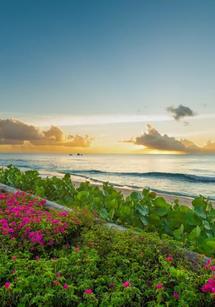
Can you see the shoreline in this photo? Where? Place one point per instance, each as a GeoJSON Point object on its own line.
{"type": "Point", "coordinates": [126, 191]}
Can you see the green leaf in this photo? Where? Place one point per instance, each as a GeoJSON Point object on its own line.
{"type": "Point", "coordinates": [161, 206]}
{"type": "Point", "coordinates": [200, 206]}
{"type": "Point", "coordinates": [162, 211]}
{"type": "Point", "coordinates": [144, 220]}
{"type": "Point", "coordinates": [178, 233]}
{"type": "Point", "coordinates": [191, 219]}
{"type": "Point", "coordinates": [208, 246]}
{"type": "Point", "coordinates": [104, 214]}
{"type": "Point", "coordinates": [136, 196]}
{"type": "Point", "coordinates": [154, 219]}
{"type": "Point", "coordinates": [195, 233]}
{"type": "Point", "coordinates": [206, 225]}
{"type": "Point", "coordinates": [142, 210]}
{"type": "Point", "coordinates": [83, 195]}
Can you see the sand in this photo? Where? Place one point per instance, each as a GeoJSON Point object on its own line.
{"type": "Point", "coordinates": [76, 180]}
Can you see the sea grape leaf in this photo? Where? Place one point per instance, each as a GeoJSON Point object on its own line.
{"type": "Point", "coordinates": [154, 219]}
{"type": "Point", "coordinates": [208, 246]}
{"type": "Point", "coordinates": [162, 211]}
{"type": "Point", "coordinates": [200, 206]}
{"type": "Point", "coordinates": [206, 225]}
{"type": "Point", "coordinates": [144, 220]}
{"type": "Point", "coordinates": [104, 214]}
{"type": "Point", "coordinates": [178, 233]}
{"type": "Point", "coordinates": [195, 233]}
{"type": "Point", "coordinates": [83, 195]}
{"type": "Point", "coordinates": [142, 210]}
{"type": "Point", "coordinates": [162, 207]}
{"type": "Point", "coordinates": [160, 201]}
{"type": "Point", "coordinates": [136, 196]}
{"type": "Point", "coordinates": [191, 219]}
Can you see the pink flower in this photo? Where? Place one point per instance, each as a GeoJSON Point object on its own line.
{"type": "Point", "coordinates": [126, 284]}
{"type": "Point", "coordinates": [169, 258]}
{"type": "Point", "coordinates": [7, 285]}
{"type": "Point", "coordinates": [65, 286]}
{"type": "Point", "coordinates": [159, 286]}
{"type": "Point", "coordinates": [209, 286]}
{"type": "Point", "coordinates": [205, 288]}
{"type": "Point", "coordinates": [207, 264]}
{"type": "Point", "coordinates": [88, 291]}
{"type": "Point", "coordinates": [42, 202]}
{"type": "Point", "coordinates": [3, 196]}
{"type": "Point", "coordinates": [176, 295]}
{"type": "Point", "coordinates": [36, 237]}
{"type": "Point", "coordinates": [13, 258]}
{"type": "Point", "coordinates": [64, 213]}
{"type": "Point", "coordinates": [212, 268]}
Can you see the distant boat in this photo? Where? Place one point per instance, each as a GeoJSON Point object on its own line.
{"type": "Point", "coordinates": [78, 154]}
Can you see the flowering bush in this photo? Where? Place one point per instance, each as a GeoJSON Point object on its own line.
{"type": "Point", "coordinates": [28, 224]}
{"type": "Point", "coordinates": [53, 258]}
{"type": "Point", "coordinates": [194, 226]}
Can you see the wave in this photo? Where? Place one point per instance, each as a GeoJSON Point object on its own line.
{"type": "Point", "coordinates": [137, 187]}
{"type": "Point", "coordinates": [158, 175]}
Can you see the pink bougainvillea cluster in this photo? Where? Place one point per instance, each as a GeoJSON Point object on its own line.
{"type": "Point", "coordinates": [209, 286]}
{"type": "Point", "coordinates": [209, 266]}
{"type": "Point", "coordinates": [26, 220]}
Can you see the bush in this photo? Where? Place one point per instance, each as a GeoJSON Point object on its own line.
{"type": "Point", "coordinates": [89, 264]}
{"type": "Point", "coordinates": [142, 210]}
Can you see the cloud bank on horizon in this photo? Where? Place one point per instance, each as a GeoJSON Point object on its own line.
{"type": "Point", "coordinates": [154, 140]}
{"type": "Point", "coordinates": [16, 135]}
{"type": "Point", "coordinates": [14, 132]}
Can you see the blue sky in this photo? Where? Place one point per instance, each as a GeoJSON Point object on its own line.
{"type": "Point", "coordinates": [86, 58]}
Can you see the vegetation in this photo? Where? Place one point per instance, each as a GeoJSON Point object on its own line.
{"type": "Point", "coordinates": [53, 258]}
{"type": "Point", "coordinates": [193, 226]}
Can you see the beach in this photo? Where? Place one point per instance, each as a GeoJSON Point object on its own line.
{"type": "Point", "coordinates": [183, 200]}
{"type": "Point", "coordinates": [170, 176]}
{"type": "Point", "coordinates": [181, 176]}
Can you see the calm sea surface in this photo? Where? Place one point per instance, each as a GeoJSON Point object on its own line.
{"type": "Point", "coordinates": [180, 174]}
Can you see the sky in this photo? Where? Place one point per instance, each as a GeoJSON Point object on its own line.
{"type": "Point", "coordinates": [107, 76]}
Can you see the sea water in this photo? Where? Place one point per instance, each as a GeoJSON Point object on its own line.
{"type": "Point", "coordinates": [177, 174]}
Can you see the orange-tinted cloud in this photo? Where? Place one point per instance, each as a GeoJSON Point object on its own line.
{"type": "Point", "coordinates": [154, 140]}
{"type": "Point", "coordinates": [15, 132]}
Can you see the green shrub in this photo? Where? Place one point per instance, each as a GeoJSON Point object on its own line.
{"type": "Point", "coordinates": [105, 267]}
{"type": "Point", "coordinates": [193, 226]}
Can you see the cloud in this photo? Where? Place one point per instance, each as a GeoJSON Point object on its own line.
{"type": "Point", "coordinates": [154, 140]}
{"type": "Point", "coordinates": [15, 132]}
{"type": "Point", "coordinates": [180, 112]}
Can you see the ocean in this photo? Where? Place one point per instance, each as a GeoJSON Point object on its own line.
{"type": "Point", "coordinates": [185, 175]}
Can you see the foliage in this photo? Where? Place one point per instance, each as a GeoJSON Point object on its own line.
{"type": "Point", "coordinates": [194, 226]}
{"type": "Point", "coordinates": [92, 265]}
